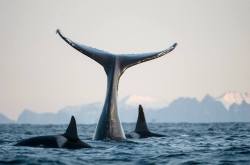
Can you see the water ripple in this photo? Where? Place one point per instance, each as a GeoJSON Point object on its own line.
{"type": "Point", "coordinates": [214, 143]}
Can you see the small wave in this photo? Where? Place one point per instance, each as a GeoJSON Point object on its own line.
{"type": "Point", "coordinates": [191, 162]}
{"type": "Point", "coordinates": [12, 161]}
{"type": "Point", "coordinates": [184, 144]}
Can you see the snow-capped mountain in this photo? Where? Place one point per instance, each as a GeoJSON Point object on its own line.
{"type": "Point", "coordinates": [233, 97]}
{"type": "Point", "coordinates": [135, 100]}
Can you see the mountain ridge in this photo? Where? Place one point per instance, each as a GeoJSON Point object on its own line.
{"type": "Point", "coordinates": [182, 109]}
{"type": "Point", "coordinates": [5, 120]}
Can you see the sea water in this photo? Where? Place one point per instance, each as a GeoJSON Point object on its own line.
{"type": "Point", "coordinates": [185, 143]}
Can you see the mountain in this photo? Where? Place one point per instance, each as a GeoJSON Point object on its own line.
{"type": "Point", "coordinates": [209, 109]}
{"type": "Point", "coordinates": [84, 114]}
{"type": "Point", "coordinates": [240, 112]}
{"type": "Point", "coordinates": [232, 97]}
{"type": "Point", "coordinates": [183, 109]}
{"type": "Point", "coordinates": [4, 119]}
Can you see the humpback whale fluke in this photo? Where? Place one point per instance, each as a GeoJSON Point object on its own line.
{"type": "Point", "coordinates": [109, 125]}
{"type": "Point", "coordinates": [128, 60]}
{"type": "Point", "coordinates": [68, 140]}
{"type": "Point", "coordinates": [100, 56]}
{"type": "Point", "coordinates": [141, 129]}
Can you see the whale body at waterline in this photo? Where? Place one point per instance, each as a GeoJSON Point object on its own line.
{"type": "Point", "coordinates": [141, 129]}
{"type": "Point", "coordinates": [68, 140]}
{"type": "Point", "coordinates": [109, 125]}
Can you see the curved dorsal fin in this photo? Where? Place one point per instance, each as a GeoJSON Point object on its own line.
{"type": "Point", "coordinates": [71, 131]}
{"type": "Point", "coordinates": [141, 125]}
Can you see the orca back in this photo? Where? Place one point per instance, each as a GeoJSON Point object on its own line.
{"type": "Point", "coordinates": [68, 140]}
{"type": "Point", "coordinates": [40, 141]}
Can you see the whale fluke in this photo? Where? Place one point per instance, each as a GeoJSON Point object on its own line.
{"type": "Point", "coordinates": [100, 56]}
{"type": "Point", "coordinates": [141, 129]}
{"type": "Point", "coordinates": [109, 125]}
{"type": "Point", "coordinates": [105, 58]}
{"type": "Point", "coordinates": [128, 60]}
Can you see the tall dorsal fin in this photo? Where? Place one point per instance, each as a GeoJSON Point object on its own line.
{"type": "Point", "coordinates": [71, 131]}
{"type": "Point", "coordinates": [141, 125]}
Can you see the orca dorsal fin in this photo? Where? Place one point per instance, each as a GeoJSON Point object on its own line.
{"type": "Point", "coordinates": [141, 125]}
{"type": "Point", "coordinates": [71, 131]}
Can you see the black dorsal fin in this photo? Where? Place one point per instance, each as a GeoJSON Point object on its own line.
{"type": "Point", "coordinates": [141, 125]}
{"type": "Point", "coordinates": [71, 132]}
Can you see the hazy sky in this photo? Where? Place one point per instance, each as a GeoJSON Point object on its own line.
{"type": "Point", "coordinates": [41, 72]}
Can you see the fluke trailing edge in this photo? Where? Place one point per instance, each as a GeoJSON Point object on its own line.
{"type": "Point", "coordinates": [68, 140]}
{"type": "Point", "coordinates": [109, 125]}
{"type": "Point", "coordinates": [141, 129]}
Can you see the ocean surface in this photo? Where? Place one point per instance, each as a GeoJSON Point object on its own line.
{"type": "Point", "coordinates": [185, 143]}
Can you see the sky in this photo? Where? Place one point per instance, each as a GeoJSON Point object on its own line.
{"type": "Point", "coordinates": [41, 72]}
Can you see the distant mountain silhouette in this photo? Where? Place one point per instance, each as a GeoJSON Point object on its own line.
{"type": "Point", "coordinates": [84, 114]}
{"type": "Point", "coordinates": [4, 119]}
{"type": "Point", "coordinates": [183, 109]}
{"type": "Point", "coordinates": [191, 110]}
{"type": "Point", "coordinates": [231, 97]}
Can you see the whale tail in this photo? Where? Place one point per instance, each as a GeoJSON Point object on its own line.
{"type": "Point", "coordinates": [109, 125]}
{"type": "Point", "coordinates": [100, 56]}
{"type": "Point", "coordinates": [141, 124]}
{"type": "Point", "coordinates": [105, 58]}
{"type": "Point", "coordinates": [71, 131]}
{"type": "Point", "coordinates": [128, 60]}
